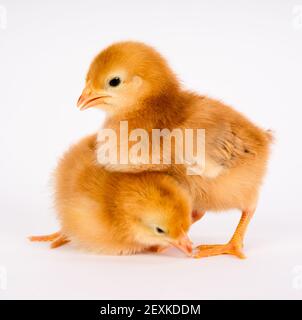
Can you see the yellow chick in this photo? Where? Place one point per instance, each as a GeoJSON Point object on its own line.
{"type": "Point", "coordinates": [117, 213]}
{"type": "Point", "coordinates": [134, 83]}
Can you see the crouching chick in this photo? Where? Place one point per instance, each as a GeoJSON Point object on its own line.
{"type": "Point", "coordinates": [117, 213]}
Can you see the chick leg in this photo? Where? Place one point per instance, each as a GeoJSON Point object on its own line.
{"type": "Point", "coordinates": [59, 242]}
{"type": "Point", "coordinates": [234, 246]}
{"type": "Point", "coordinates": [57, 239]}
{"type": "Point", "coordinates": [49, 237]}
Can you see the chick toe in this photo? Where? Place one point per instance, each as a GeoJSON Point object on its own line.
{"type": "Point", "coordinates": [231, 248]}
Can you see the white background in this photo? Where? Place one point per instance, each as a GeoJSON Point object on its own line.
{"type": "Point", "coordinates": [246, 53]}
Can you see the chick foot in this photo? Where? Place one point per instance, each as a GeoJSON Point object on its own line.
{"type": "Point", "coordinates": [57, 239]}
{"type": "Point", "coordinates": [233, 248]}
{"type": "Point", "coordinates": [49, 237]}
{"type": "Point", "coordinates": [59, 242]}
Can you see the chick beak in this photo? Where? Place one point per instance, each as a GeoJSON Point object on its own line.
{"type": "Point", "coordinates": [90, 99]}
{"type": "Point", "coordinates": [184, 244]}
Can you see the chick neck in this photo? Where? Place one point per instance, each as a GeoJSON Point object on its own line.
{"type": "Point", "coordinates": [163, 110]}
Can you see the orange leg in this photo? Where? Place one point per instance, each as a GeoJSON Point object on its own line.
{"type": "Point", "coordinates": [59, 242]}
{"type": "Point", "coordinates": [49, 237]}
{"type": "Point", "coordinates": [57, 239]}
{"type": "Point", "coordinates": [234, 246]}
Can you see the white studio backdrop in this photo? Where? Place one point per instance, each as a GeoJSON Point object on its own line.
{"type": "Point", "coordinates": [245, 53]}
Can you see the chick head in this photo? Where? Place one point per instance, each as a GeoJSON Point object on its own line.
{"type": "Point", "coordinates": [125, 74]}
{"type": "Point", "coordinates": [158, 213]}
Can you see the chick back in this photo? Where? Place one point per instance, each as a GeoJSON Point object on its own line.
{"type": "Point", "coordinates": [237, 152]}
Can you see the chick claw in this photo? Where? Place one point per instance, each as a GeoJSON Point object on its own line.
{"type": "Point", "coordinates": [232, 248]}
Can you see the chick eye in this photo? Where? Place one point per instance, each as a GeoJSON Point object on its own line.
{"type": "Point", "coordinates": [114, 82]}
{"type": "Point", "coordinates": [159, 230]}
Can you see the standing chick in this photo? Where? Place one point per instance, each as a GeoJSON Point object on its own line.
{"type": "Point", "coordinates": [133, 82]}
{"type": "Point", "coordinates": [117, 213]}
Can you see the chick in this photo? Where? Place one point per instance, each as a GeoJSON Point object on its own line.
{"type": "Point", "coordinates": [117, 213]}
{"type": "Point", "coordinates": [133, 82]}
